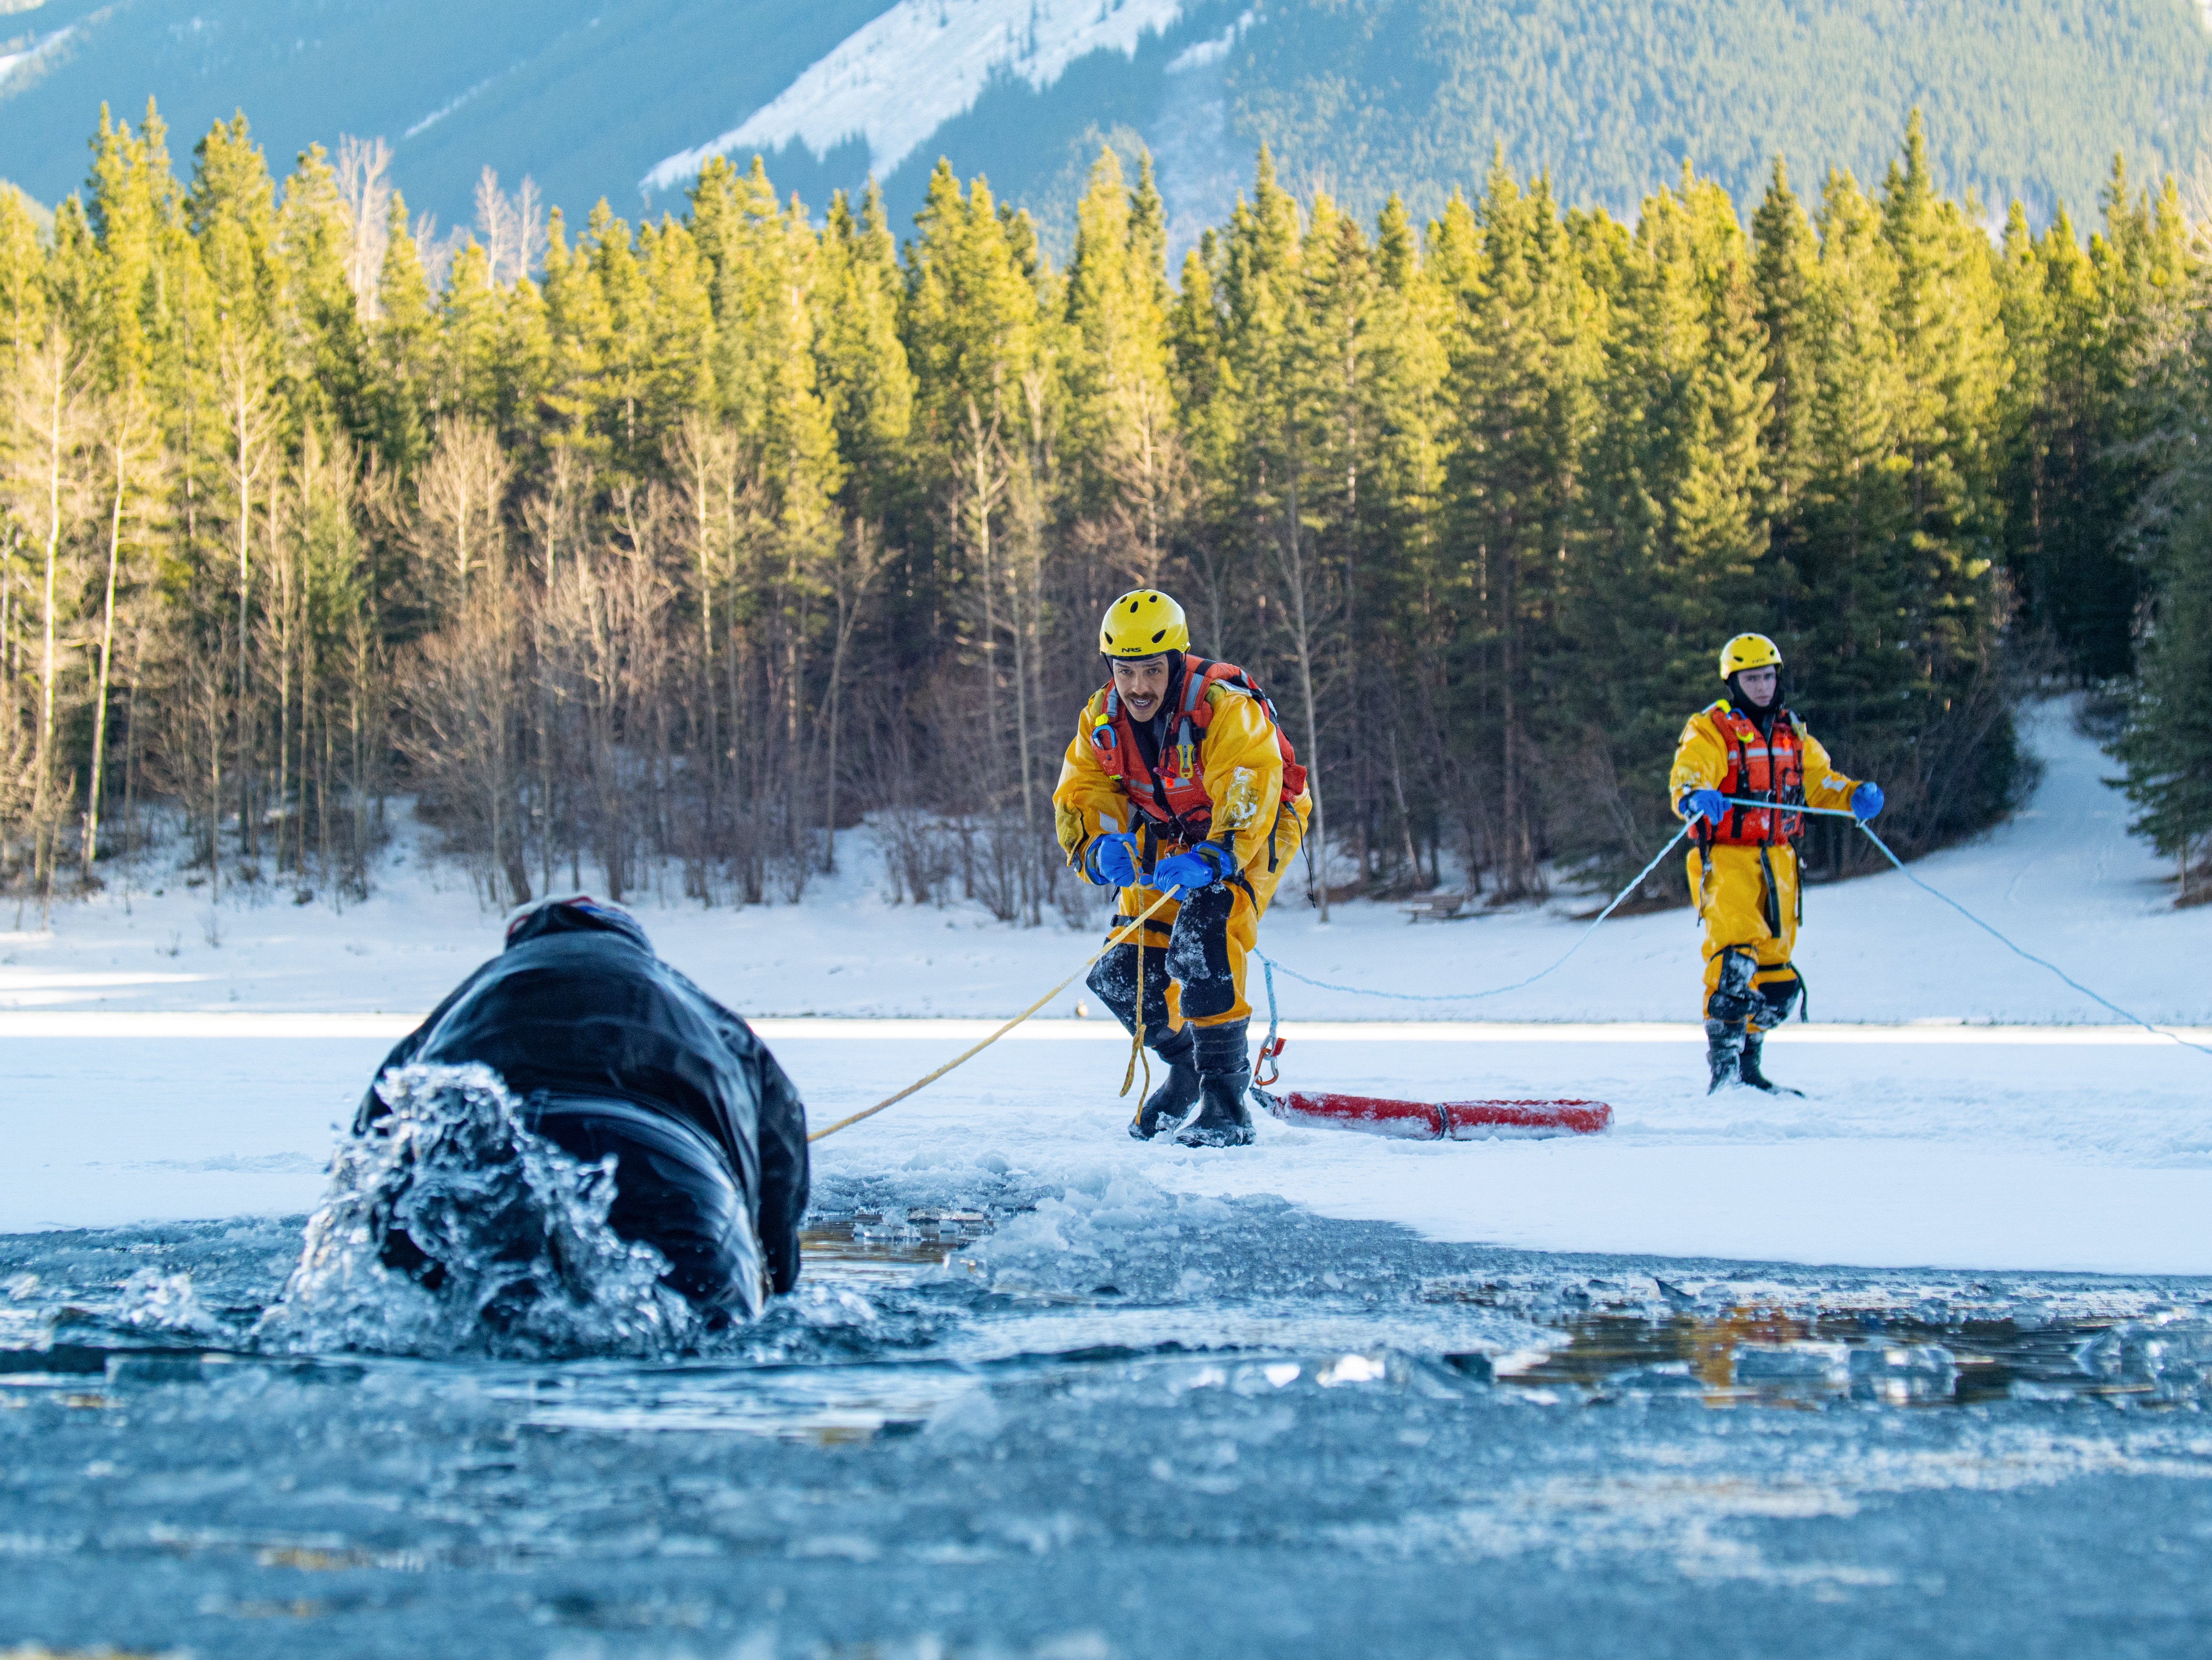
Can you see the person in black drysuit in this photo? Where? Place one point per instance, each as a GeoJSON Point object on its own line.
{"type": "Point", "coordinates": [611, 1051]}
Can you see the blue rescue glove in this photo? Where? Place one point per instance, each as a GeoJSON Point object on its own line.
{"type": "Point", "coordinates": [1705, 804]}
{"type": "Point", "coordinates": [1110, 860]}
{"type": "Point", "coordinates": [1198, 867]}
{"type": "Point", "coordinates": [1866, 802]}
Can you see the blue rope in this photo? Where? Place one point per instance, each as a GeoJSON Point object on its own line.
{"type": "Point", "coordinates": [2133, 1020]}
{"type": "Point", "coordinates": [1470, 996]}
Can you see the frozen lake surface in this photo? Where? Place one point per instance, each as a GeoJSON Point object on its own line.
{"type": "Point", "coordinates": [1101, 1420]}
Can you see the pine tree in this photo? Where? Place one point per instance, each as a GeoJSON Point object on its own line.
{"type": "Point", "coordinates": [2167, 746]}
{"type": "Point", "coordinates": [1129, 462]}
{"type": "Point", "coordinates": [1678, 487]}
{"type": "Point", "coordinates": [1784, 257]}
{"type": "Point", "coordinates": [578, 323]}
{"type": "Point", "coordinates": [1943, 313]}
{"type": "Point", "coordinates": [467, 376]}
{"type": "Point", "coordinates": [325, 347]}
{"type": "Point", "coordinates": [1525, 362]}
{"type": "Point", "coordinates": [974, 332]}
{"type": "Point", "coordinates": [619, 345]}
{"type": "Point", "coordinates": [1401, 569]}
{"type": "Point", "coordinates": [402, 345]}
{"type": "Point", "coordinates": [863, 362]}
{"type": "Point", "coordinates": [231, 207]}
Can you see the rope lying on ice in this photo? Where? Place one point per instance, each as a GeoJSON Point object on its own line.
{"type": "Point", "coordinates": [1495, 991]}
{"type": "Point", "coordinates": [1112, 940]}
{"type": "Point", "coordinates": [2017, 950]}
{"type": "Point", "coordinates": [1733, 801]}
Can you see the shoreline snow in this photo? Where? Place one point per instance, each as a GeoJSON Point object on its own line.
{"type": "Point", "coordinates": [2063, 876]}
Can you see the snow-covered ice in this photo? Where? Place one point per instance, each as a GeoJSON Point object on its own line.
{"type": "Point", "coordinates": [156, 1075]}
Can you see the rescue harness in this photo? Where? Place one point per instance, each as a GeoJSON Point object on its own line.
{"type": "Point", "coordinates": [1763, 767]}
{"type": "Point", "coordinates": [1173, 797]}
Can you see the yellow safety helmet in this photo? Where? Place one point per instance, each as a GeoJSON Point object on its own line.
{"type": "Point", "coordinates": [1143, 623]}
{"type": "Point", "coordinates": [1749, 652]}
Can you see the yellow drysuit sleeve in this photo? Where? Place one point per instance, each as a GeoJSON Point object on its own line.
{"type": "Point", "coordinates": [1701, 762]}
{"type": "Point", "coordinates": [1824, 785]}
{"type": "Point", "coordinates": [1244, 768]}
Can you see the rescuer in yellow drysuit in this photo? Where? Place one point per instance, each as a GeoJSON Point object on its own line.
{"type": "Point", "coordinates": [1743, 870]}
{"type": "Point", "coordinates": [1179, 776]}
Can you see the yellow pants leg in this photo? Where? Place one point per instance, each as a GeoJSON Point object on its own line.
{"type": "Point", "coordinates": [1249, 896]}
{"type": "Point", "coordinates": [1740, 911]}
{"type": "Point", "coordinates": [1255, 891]}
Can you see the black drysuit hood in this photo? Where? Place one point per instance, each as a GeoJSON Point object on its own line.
{"type": "Point", "coordinates": [610, 1050]}
{"type": "Point", "coordinates": [572, 913]}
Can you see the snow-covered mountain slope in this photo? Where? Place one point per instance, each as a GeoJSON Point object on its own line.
{"type": "Point", "coordinates": [591, 96]}
{"type": "Point", "coordinates": [623, 98]}
{"type": "Point", "coordinates": [907, 73]}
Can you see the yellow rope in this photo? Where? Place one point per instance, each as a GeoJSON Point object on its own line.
{"type": "Point", "coordinates": [1112, 940]}
{"type": "Point", "coordinates": [1137, 1033]}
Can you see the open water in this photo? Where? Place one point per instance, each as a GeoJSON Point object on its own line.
{"type": "Point", "coordinates": [1083, 1421]}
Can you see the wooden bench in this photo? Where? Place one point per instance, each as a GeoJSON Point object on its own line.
{"type": "Point", "coordinates": [1435, 907]}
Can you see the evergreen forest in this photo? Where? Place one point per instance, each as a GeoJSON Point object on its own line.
{"type": "Point", "coordinates": [650, 558]}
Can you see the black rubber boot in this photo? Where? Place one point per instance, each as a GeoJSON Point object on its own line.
{"type": "Point", "coordinates": [1728, 1016]}
{"type": "Point", "coordinates": [1724, 1053]}
{"type": "Point", "coordinates": [1223, 1067]}
{"type": "Point", "coordinates": [1754, 1041]}
{"type": "Point", "coordinates": [1177, 1092]}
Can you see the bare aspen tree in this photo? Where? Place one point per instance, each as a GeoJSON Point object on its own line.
{"type": "Point", "coordinates": [702, 458]}
{"type": "Point", "coordinates": [529, 214]}
{"type": "Point", "coordinates": [435, 251]}
{"type": "Point", "coordinates": [128, 437]}
{"type": "Point", "coordinates": [459, 527]}
{"type": "Point", "coordinates": [853, 578]}
{"type": "Point", "coordinates": [512, 227]}
{"type": "Point", "coordinates": [553, 516]}
{"type": "Point", "coordinates": [363, 169]}
{"type": "Point", "coordinates": [1297, 566]}
{"type": "Point", "coordinates": [249, 417]}
{"type": "Point", "coordinates": [462, 692]}
{"type": "Point", "coordinates": [283, 627]}
{"type": "Point", "coordinates": [495, 225]}
{"type": "Point", "coordinates": [981, 489]}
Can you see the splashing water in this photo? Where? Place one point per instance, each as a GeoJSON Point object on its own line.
{"type": "Point", "coordinates": [451, 1228]}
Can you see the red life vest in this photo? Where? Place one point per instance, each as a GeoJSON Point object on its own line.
{"type": "Point", "coordinates": [1767, 768]}
{"type": "Point", "coordinates": [1175, 797]}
